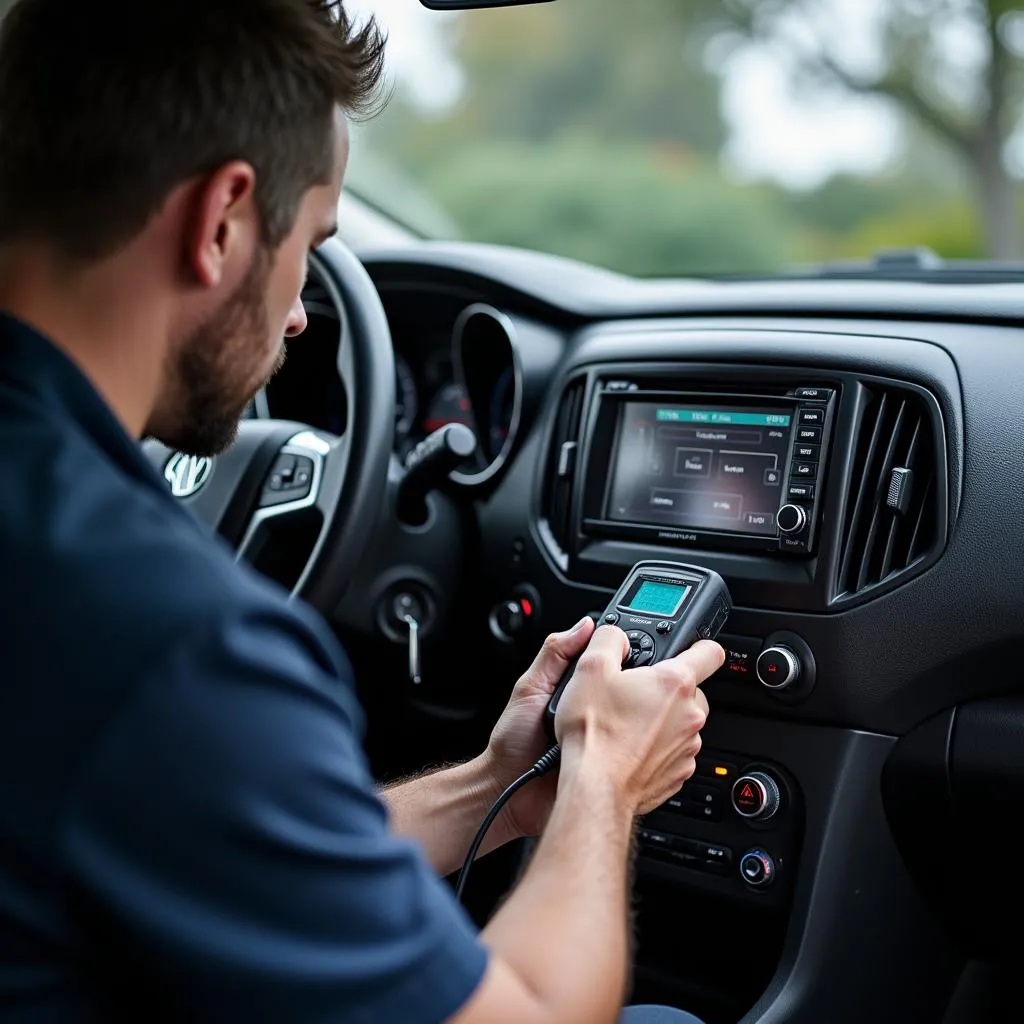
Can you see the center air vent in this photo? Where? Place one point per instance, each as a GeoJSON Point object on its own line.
{"type": "Point", "coordinates": [559, 471]}
{"type": "Point", "coordinates": [896, 505]}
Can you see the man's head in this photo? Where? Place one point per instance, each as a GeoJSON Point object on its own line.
{"type": "Point", "coordinates": [202, 143]}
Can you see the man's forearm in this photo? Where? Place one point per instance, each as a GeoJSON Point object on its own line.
{"type": "Point", "coordinates": [443, 810]}
{"type": "Point", "coordinates": [564, 930]}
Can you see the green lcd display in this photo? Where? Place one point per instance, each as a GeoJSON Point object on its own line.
{"type": "Point", "coordinates": [662, 599]}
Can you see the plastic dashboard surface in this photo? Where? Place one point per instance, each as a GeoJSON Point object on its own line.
{"type": "Point", "coordinates": [945, 636]}
{"type": "Point", "coordinates": [858, 943]}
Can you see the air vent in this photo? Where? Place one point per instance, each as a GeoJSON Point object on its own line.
{"type": "Point", "coordinates": [895, 507]}
{"type": "Point", "coordinates": [561, 464]}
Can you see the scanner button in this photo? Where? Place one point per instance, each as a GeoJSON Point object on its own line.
{"type": "Point", "coordinates": [641, 658]}
{"type": "Point", "coordinates": [664, 627]}
{"type": "Point", "coordinates": [646, 642]}
{"type": "Point", "coordinates": [634, 635]}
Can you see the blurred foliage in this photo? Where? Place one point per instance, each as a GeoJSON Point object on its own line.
{"type": "Point", "coordinates": [592, 129]}
{"type": "Point", "coordinates": [646, 211]}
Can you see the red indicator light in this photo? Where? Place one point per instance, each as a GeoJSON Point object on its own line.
{"type": "Point", "coordinates": [526, 605]}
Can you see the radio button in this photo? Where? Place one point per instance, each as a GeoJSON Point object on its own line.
{"type": "Point", "coordinates": [814, 394]}
{"type": "Point", "coordinates": [810, 435]}
{"type": "Point", "coordinates": [806, 470]}
{"type": "Point", "coordinates": [812, 417]}
{"type": "Point", "coordinates": [806, 452]}
{"type": "Point", "coordinates": [802, 491]}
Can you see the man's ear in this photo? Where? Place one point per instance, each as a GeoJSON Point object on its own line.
{"type": "Point", "coordinates": [224, 227]}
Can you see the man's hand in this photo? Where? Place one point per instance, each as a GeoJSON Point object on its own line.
{"type": "Point", "coordinates": [641, 726]}
{"type": "Point", "coordinates": [519, 738]}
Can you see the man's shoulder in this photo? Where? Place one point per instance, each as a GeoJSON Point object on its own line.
{"type": "Point", "coordinates": [112, 578]}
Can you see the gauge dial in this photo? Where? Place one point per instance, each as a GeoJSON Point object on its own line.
{"type": "Point", "coordinates": [406, 399]}
{"type": "Point", "coordinates": [449, 405]}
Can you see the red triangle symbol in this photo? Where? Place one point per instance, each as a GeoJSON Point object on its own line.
{"type": "Point", "coordinates": [746, 792]}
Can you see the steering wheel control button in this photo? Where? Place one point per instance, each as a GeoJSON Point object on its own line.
{"type": "Point", "coordinates": [755, 796]}
{"type": "Point", "coordinates": [778, 668]}
{"type": "Point", "coordinates": [290, 479]}
{"type": "Point", "coordinates": [791, 518]}
{"type": "Point", "coordinates": [757, 869]}
{"type": "Point", "coordinates": [664, 627]}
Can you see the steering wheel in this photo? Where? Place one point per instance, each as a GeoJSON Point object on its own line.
{"type": "Point", "coordinates": [277, 469]}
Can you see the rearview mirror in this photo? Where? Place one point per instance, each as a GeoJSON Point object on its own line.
{"type": "Point", "coordinates": [465, 5]}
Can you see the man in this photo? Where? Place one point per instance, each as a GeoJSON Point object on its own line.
{"type": "Point", "coordinates": [188, 829]}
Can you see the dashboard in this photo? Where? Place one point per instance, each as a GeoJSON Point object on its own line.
{"type": "Point", "coordinates": [846, 456]}
{"type": "Point", "coordinates": [447, 370]}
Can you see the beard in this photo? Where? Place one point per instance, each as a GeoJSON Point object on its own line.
{"type": "Point", "coordinates": [220, 367]}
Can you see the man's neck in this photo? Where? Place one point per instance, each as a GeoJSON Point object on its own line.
{"type": "Point", "coordinates": [108, 329]}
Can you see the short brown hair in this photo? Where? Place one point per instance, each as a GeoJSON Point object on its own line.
{"type": "Point", "coordinates": [107, 105]}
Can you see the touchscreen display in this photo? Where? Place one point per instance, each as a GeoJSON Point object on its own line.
{"type": "Point", "coordinates": [700, 466]}
{"type": "Point", "coordinates": [663, 599]}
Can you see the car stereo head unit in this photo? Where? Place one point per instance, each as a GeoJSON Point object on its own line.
{"type": "Point", "coordinates": [723, 470]}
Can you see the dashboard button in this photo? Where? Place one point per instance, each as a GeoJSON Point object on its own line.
{"type": "Point", "coordinates": [756, 796]}
{"type": "Point", "coordinates": [807, 452]}
{"type": "Point", "coordinates": [757, 869]}
{"type": "Point", "coordinates": [814, 394]}
{"type": "Point", "coordinates": [812, 417]}
{"type": "Point", "coordinates": [805, 470]}
{"type": "Point", "coordinates": [792, 518]}
{"type": "Point", "coordinates": [804, 492]}
{"type": "Point", "coordinates": [778, 667]}
{"type": "Point", "coordinates": [810, 435]}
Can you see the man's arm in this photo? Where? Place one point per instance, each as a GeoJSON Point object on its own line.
{"type": "Point", "coordinates": [560, 942]}
{"type": "Point", "coordinates": [443, 810]}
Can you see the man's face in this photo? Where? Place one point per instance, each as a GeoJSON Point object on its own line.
{"type": "Point", "coordinates": [218, 368]}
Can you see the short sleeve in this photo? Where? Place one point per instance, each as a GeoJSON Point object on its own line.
{"type": "Point", "coordinates": [227, 854]}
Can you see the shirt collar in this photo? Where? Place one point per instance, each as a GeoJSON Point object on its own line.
{"type": "Point", "coordinates": [34, 365]}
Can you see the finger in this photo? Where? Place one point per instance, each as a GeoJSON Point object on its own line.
{"type": "Point", "coordinates": [558, 650]}
{"type": "Point", "coordinates": [609, 645]}
{"type": "Point", "coordinates": [703, 659]}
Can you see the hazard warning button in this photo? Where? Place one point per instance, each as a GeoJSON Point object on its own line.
{"type": "Point", "coordinates": [756, 796]}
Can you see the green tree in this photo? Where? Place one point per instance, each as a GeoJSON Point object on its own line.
{"type": "Point", "coordinates": [599, 68]}
{"type": "Point", "coordinates": [649, 211]}
{"type": "Point", "coordinates": [974, 105]}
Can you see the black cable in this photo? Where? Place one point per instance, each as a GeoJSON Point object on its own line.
{"type": "Point", "coordinates": [543, 765]}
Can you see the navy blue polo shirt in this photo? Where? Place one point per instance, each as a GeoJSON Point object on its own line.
{"type": "Point", "coordinates": [188, 827]}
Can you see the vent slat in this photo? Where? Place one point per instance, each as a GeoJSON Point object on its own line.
{"type": "Point", "coordinates": [557, 502]}
{"type": "Point", "coordinates": [879, 543]}
{"type": "Point", "coordinates": [860, 473]}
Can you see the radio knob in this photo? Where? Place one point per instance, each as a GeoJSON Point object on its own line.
{"type": "Point", "coordinates": [777, 667]}
{"type": "Point", "coordinates": [757, 869]}
{"type": "Point", "coordinates": [791, 518]}
{"type": "Point", "coordinates": [755, 796]}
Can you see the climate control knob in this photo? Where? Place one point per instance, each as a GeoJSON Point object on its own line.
{"type": "Point", "coordinates": [791, 518]}
{"type": "Point", "coordinates": [777, 667]}
{"type": "Point", "coordinates": [757, 869]}
{"type": "Point", "coordinates": [755, 796]}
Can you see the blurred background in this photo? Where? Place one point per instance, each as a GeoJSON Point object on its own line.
{"type": "Point", "coordinates": [691, 137]}
{"type": "Point", "coordinates": [702, 137]}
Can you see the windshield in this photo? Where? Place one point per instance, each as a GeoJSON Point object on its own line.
{"type": "Point", "coordinates": [689, 137]}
